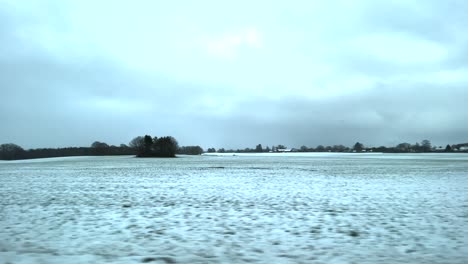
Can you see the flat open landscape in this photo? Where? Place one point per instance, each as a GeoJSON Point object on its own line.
{"type": "Point", "coordinates": [270, 208]}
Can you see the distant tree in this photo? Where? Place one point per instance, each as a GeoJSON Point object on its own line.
{"type": "Point", "coordinates": [417, 147]}
{"type": "Point", "coordinates": [381, 149]}
{"type": "Point", "coordinates": [165, 147]}
{"type": "Point", "coordinates": [358, 147]}
{"type": "Point", "coordinates": [221, 150]}
{"type": "Point", "coordinates": [211, 150]}
{"type": "Point", "coordinates": [448, 148]}
{"type": "Point", "coordinates": [304, 149]}
{"type": "Point", "coordinates": [403, 147]}
{"type": "Point", "coordinates": [426, 145]}
{"type": "Point", "coordinates": [281, 147]}
{"type": "Point", "coordinates": [320, 148]}
{"type": "Point", "coordinates": [267, 149]}
{"type": "Point", "coordinates": [97, 144]}
{"type": "Point", "coordinates": [99, 148]}
{"type": "Point", "coordinates": [138, 144]}
{"type": "Point", "coordinates": [11, 152]}
{"type": "Point", "coordinates": [148, 143]}
{"type": "Point", "coordinates": [338, 148]}
{"type": "Point", "coordinates": [190, 150]}
{"type": "Point", "coordinates": [259, 148]}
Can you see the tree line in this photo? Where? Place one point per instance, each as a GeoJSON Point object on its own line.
{"type": "Point", "coordinates": [14, 152]}
{"type": "Point", "coordinates": [147, 146]}
{"type": "Point", "coordinates": [424, 146]}
{"type": "Point", "coordinates": [142, 146]}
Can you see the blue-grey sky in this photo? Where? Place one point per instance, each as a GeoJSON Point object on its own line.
{"type": "Point", "coordinates": [233, 73]}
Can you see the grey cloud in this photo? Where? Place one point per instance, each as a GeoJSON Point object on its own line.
{"type": "Point", "coordinates": [46, 101]}
{"type": "Point", "coordinates": [386, 115]}
{"type": "Point", "coordinates": [432, 20]}
{"type": "Point", "coordinates": [49, 101]}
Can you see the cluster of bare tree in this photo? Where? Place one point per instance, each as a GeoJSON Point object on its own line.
{"type": "Point", "coordinates": [190, 150]}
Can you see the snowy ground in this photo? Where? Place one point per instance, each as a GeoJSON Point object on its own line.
{"type": "Point", "coordinates": [275, 208]}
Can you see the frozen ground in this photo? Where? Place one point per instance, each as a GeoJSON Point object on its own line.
{"type": "Point", "coordinates": [319, 208]}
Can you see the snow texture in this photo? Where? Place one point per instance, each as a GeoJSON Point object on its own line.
{"type": "Point", "coordinates": [270, 208]}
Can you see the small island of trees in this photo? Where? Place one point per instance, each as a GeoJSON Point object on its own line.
{"type": "Point", "coordinates": [163, 147]}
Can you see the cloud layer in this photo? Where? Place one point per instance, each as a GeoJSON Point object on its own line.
{"type": "Point", "coordinates": [234, 75]}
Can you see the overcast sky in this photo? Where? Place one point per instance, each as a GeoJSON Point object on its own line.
{"type": "Point", "coordinates": [234, 73]}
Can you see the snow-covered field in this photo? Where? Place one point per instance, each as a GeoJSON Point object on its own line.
{"type": "Point", "coordinates": [274, 208]}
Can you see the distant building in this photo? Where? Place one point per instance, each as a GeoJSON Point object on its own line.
{"type": "Point", "coordinates": [286, 150]}
{"type": "Point", "coordinates": [283, 150]}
